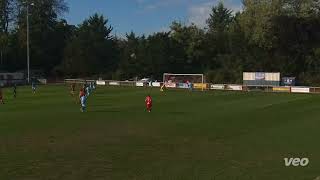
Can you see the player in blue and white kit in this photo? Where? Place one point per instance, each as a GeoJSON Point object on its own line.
{"type": "Point", "coordinates": [88, 90]}
{"type": "Point", "coordinates": [34, 88]}
{"type": "Point", "coordinates": [91, 86]}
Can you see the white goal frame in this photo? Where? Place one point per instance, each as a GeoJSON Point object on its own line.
{"type": "Point", "coordinates": [173, 74]}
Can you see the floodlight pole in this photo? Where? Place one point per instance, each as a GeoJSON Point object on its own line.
{"type": "Point", "coordinates": [202, 81]}
{"type": "Point", "coordinates": [28, 44]}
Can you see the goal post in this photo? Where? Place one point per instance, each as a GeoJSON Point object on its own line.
{"type": "Point", "coordinates": [172, 80]}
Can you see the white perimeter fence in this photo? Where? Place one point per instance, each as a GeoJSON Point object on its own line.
{"type": "Point", "coordinates": [202, 86]}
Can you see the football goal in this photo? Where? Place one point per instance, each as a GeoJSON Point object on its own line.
{"type": "Point", "coordinates": [171, 80]}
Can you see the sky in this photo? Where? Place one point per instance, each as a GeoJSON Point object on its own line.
{"type": "Point", "coordinates": [145, 16]}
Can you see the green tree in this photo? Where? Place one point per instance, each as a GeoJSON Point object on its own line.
{"type": "Point", "coordinates": [159, 55]}
{"type": "Point", "coordinates": [217, 39]}
{"type": "Point", "coordinates": [7, 11]}
{"type": "Point", "coordinates": [305, 8]}
{"type": "Point", "coordinates": [6, 14]}
{"type": "Point", "coordinates": [44, 21]}
{"type": "Point", "coordinates": [188, 48]}
{"type": "Point", "coordinates": [133, 56]}
{"type": "Point", "coordinates": [220, 19]}
{"type": "Point", "coordinates": [91, 50]}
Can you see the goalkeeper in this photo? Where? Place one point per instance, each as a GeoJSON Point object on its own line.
{"type": "Point", "coordinates": [163, 87]}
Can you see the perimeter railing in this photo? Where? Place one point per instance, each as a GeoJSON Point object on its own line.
{"type": "Point", "coordinates": [202, 86]}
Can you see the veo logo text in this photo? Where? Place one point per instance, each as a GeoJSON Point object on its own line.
{"type": "Point", "coordinates": [296, 162]}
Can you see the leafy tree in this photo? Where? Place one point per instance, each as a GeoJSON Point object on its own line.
{"type": "Point", "coordinates": [159, 53]}
{"type": "Point", "coordinates": [277, 35]}
{"type": "Point", "coordinates": [187, 42]}
{"type": "Point", "coordinates": [132, 58]}
{"type": "Point", "coordinates": [220, 19]}
{"type": "Point", "coordinates": [7, 12]}
{"type": "Point", "coordinates": [44, 19]}
{"type": "Point", "coordinates": [91, 50]}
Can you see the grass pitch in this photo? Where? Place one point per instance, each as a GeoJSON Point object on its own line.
{"type": "Point", "coordinates": [189, 135]}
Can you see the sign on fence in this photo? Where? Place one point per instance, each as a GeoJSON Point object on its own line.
{"type": "Point", "coordinates": [234, 87]}
{"type": "Point", "coordinates": [199, 86]}
{"type": "Point", "coordinates": [43, 81]}
{"type": "Point", "coordinates": [281, 89]}
{"type": "Point", "coordinates": [217, 86]}
{"type": "Point", "coordinates": [101, 83]}
{"type": "Point", "coordinates": [139, 84]}
{"type": "Point", "coordinates": [156, 84]}
{"type": "Point", "coordinates": [114, 83]}
{"type": "Point", "coordinates": [182, 85]}
{"type": "Point", "coordinates": [170, 84]}
{"type": "Point", "coordinates": [300, 90]}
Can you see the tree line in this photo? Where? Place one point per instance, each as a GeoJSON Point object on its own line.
{"type": "Point", "coordinates": [267, 36]}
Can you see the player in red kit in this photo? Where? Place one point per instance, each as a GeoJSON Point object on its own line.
{"type": "Point", "coordinates": [148, 102]}
{"type": "Point", "coordinates": [83, 100]}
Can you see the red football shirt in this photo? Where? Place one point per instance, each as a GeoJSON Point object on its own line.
{"type": "Point", "coordinates": [82, 93]}
{"type": "Point", "coordinates": [148, 100]}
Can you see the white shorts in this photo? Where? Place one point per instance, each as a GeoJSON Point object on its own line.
{"type": "Point", "coordinates": [83, 101]}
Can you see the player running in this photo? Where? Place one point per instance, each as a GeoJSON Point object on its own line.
{"type": "Point", "coordinates": [34, 88]}
{"type": "Point", "coordinates": [88, 90]}
{"type": "Point", "coordinates": [163, 87]}
{"type": "Point", "coordinates": [83, 99]}
{"type": "Point", "coordinates": [91, 86]}
{"type": "Point", "coordinates": [14, 91]}
{"type": "Point", "coordinates": [1, 97]}
{"type": "Point", "coordinates": [148, 102]}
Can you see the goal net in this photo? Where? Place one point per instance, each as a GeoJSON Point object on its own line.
{"type": "Point", "coordinates": [183, 80]}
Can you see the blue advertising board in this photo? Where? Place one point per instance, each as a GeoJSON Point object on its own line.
{"type": "Point", "coordinates": [183, 85]}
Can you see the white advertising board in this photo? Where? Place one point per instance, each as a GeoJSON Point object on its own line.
{"type": "Point", "coordinates": [101, 83]}
{"type": "Point", "coordinates": [156, 84]}
{"type": "Point", "coordinates": [217, 86]}
{"type": "Point", "coordinates": [300, 90]}
{"type": "Point", "coordinates": [139, 84]}
{"type": "Point", "coordinates": [235, 87]}
{"type": "Point", "coordinates": [114, 83]}
{"type": "Point", "coordinates": [170, 85]}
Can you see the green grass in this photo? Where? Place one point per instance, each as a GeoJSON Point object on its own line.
{"type": "Point", "coordinates": [189, 135]}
